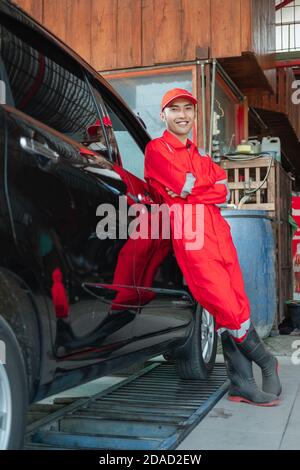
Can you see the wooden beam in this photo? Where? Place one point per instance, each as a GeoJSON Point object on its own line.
{"type": "Point", "coordinates": [283, 4]}
{"type": "Point", "coordinates": [287, 63]}
{"type": "Point", "coordinates": [288, 55]}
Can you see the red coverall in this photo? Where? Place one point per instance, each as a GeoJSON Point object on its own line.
{"type": "Point", "coordinates": [212, 272]}
{"type": "Point", "coordinates": [148, 254]}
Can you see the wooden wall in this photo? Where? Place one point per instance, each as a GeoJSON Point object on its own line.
{"type": "Point", "coordinates": [34, 7]}
{"type": "Point", "coordinates": [116, 34]}
{"type": "Point", "coordinates": [263, 36]}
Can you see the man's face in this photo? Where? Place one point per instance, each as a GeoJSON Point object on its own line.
{"type": "Point", "coordinates": [179, 117]}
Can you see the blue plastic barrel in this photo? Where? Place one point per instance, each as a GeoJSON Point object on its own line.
{"type": "Point", "coordinates": [253, 236]}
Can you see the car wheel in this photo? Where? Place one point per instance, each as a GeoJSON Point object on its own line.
{"type": "Point", "coordinates": [13, 390]}
{"type": "Point", "coordinates": [199, 359]}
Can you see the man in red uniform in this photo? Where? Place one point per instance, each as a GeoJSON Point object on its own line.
{"type": "Point", "coordinates": [174, 168]}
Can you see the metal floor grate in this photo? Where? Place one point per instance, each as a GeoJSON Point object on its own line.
{"type": "Point", "coordinates": [151, 410]}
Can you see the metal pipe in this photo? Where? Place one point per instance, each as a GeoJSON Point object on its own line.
{"type": "Point", "coordinates": [213, 85]}
{"type": "Point", "coordinates": [257, 117]}
{"type": "Point", "coordinates": [229, 82]}
{"type": "Point", "coordinates": [203, 105]}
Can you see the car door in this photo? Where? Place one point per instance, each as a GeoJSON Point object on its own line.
{"type": "Point", "coordinates": [59, 237]}
{"type": "Point", "coordinates": [56, 183]}
{"type": "Point", "coordinates": [165, 302]}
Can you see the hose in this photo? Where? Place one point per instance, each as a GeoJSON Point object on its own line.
{"type": "Point", "coordinates": [253, 156]}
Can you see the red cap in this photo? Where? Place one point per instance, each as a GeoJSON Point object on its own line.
{"type": "Point", "coordinates": [93, 128]}
{"type": "Point", "coordinates": [175, 93]}
{"type": "Point", "coordinates": [107, 121]}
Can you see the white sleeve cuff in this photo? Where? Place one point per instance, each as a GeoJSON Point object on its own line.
{"type": "Point", "coordinates": [188, 185]}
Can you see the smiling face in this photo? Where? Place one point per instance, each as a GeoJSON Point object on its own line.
{"type": "Point", "coordinates": [179, 117]}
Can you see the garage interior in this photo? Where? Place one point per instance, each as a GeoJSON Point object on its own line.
{"type": "Point", "coordinates": [241, 58]}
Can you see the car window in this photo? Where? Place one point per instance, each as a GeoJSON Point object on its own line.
{"type": "Point", "coordinates": [50, 90]}
{"type": "Point", "coordinates": [131, 155]}
{"type": "Point", "coordinates": [123, 145]}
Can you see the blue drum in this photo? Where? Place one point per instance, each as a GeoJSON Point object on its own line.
{"type": "Point", "coordinates": [253, 234]}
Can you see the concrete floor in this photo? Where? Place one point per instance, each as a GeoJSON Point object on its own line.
{"type": "Point", "coordinates": [245, 427]}
{"type": "Point", "coordinates": [240, 426]}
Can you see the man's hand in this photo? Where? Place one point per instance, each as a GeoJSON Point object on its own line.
{"type": "Point", "coordinates": [172, 194]}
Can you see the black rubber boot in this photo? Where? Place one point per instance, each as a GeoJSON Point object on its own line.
{"type": "Point", "coordinates": [255, 350]}
{"type": "Point", "coordinates": [243, 387]}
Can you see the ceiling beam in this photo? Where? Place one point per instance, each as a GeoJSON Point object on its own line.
{"type": "Point", "coordinates": [288, 55]}
{"type": "Point", "coordinates": [283, 4]}
{"type": "Point", "coordinates": [287, 63]}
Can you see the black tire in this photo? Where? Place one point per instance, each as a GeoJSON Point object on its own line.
{"type": "Point", "coordinates": [194, 364]}
{"type": "Point", "coordinates": [13, 389]}
{"type": "Point", "coordinates": [19, 311]}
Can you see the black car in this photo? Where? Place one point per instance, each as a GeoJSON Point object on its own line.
{"type": "Point", "coordinates": [76, 304]}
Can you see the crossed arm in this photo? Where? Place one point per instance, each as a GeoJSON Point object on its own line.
{"type": "Point", "coordinates": [213, 189]}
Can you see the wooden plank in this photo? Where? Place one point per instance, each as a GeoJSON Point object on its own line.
{"type": "Point", "coordinates": [148, 72]}
{"type": "Point", "coordinates": [53, 10]}
{"type": "Point", "coordinates": [241, 185]}
{"type": "Point", "coordinates": [195, 27]}
{"type": "Point", "coordinates": [257, 178]}
{"type": "Point", "coordinates": [256, 207]}
{"type": "Point", "coordinates": [236, 197]}
{"type": "Point", "coordinates": [246, 25]}
{"type": "Point", "coordinates": [257, 12]}
{"type": "Point", "coordinates": [256, 162]}
{"type": "Point", "coordinates": [271, 29]}
{"type": "Point", "coordinates": [236, 191]}
{"type": "Point", "coordinates": [236, 169]}
{"type": "Point", "coordinates": [263, 37]}
{"type": "Point", "coordinates": [246, 118]}
{"type": "Point", "coordinates": [167, 36]}
{"type": "Point", "coordinates": [78, 27]}
{"type": "Point", "coordinates": [147, 32]}
{"type": "Point", "coordinates": [33, 7]}
{"type": "Point", "coordinates": [129, 34]}
{"type": "Point", "coordinates": [265, 101]}
{"type": "Point", "coordinates": [271, 191]}
{"type": "Point", "coordinates": [104, 34]}
{"type": "Point", "coordinates": [226, 28]}
{"type": "Point", "coordinates": [246, 73]}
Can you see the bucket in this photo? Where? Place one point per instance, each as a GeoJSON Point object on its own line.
{"type": "Point", "coordinates": [294, 313]}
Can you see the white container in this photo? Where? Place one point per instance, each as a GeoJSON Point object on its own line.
{"type": "Point", "coordinates": [255, 144]}
{"type": "Point", "coordinates": [272, 144]}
